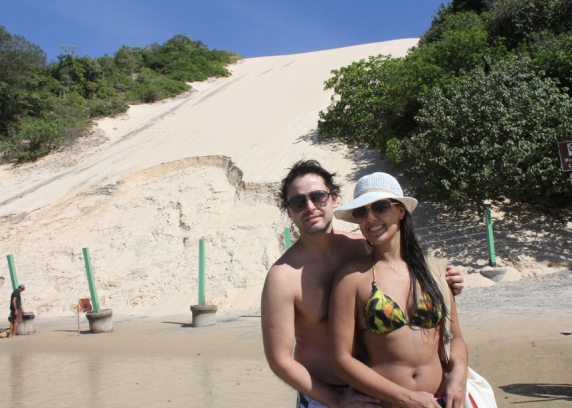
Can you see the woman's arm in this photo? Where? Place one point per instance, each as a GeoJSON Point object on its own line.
{"type": "Point", "coordinates": [342, 318]}
{"type": "Point", "coordinates": [454, 387]}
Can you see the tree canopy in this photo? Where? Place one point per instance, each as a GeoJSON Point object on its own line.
{"type": "Point", "coordinates": [43, 106]}
{"type": "Point", "coordinates": [475, 111]}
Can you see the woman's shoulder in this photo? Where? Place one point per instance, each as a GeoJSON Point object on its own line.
{"type": "Point", "coordinates": [354, 269]}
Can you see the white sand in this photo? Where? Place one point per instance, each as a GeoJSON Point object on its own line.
{"type": "Point", "coordinates": [144, 187]}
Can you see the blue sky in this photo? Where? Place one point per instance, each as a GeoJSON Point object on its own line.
{"type": "Point", "coordinates": [249, 27]}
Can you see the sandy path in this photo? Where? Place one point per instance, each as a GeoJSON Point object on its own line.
{"type": "Point", "coordinates": [512, 331]}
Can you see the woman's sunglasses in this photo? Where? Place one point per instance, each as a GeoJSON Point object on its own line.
{"type": "Point", "coordinates": [378, 208]}
{"type": "Point", "coordinates": [318, 197]}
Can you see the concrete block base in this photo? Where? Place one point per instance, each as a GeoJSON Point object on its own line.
{"type": "Point", "coordinates": [494, 274]}
{"type": "Point", "coordinates": [100, 322]}
{"type": "Point", "coordinates": [26, 326]}
{"type": "Point", "coordinates": [204, 315]}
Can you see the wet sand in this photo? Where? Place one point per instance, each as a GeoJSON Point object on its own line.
{"type": "Point", "coordinates": [512, 331]}
{"type": "Point", "coordinates": [144, 362]}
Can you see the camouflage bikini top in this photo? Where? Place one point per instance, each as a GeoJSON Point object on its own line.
{"type": "Point", "coordinates": [383, 314]}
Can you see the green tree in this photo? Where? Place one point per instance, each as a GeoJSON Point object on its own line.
{"type": "Point", "coordinates": [393, 105]}
{"type": "Point", "coordinates": [21, 81]}
{"type": "Point", "coordinates": [377, 100]}
{"type": "Point", "coordinates": [183, 59]}
{"type": "Point", "coordinates": [490, 136]}
{"type": "Point", "coordinates": [518, 21]}
{"type": "Point", "coordinates": [553, 55]}
{"type": "Point", "coordinates": [128, 60]}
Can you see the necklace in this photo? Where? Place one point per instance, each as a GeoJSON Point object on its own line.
{"type": "Point", "coordinates": [392, 268]}
{"type": "Point", "coordinates": [388, 265]}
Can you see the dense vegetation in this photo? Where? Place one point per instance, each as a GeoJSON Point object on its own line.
{"type": "Point", "coordinates": [43, 106]}
{"type": "Point", "coordinates": [475, 111]}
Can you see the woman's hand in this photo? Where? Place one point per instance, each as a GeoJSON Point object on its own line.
{"type": "Point", "coordinates": [454, 389]}
{"type": "Point", "coordinates": [419, 399]}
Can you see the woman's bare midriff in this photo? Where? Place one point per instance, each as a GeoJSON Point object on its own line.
{"type": "Point", "coordinates": [407, 356]}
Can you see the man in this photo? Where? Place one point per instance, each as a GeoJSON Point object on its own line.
{"type": "Point", "coordinates": [16, 310]}
{"type": "Point", "coordinates": [297, 289]}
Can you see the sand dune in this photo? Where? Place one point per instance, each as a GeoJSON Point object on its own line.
{"type": "Point", "coordinates": [144, 187]}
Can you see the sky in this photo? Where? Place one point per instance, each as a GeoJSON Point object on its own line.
{"type": "Point", "coordinates": [251, 28]}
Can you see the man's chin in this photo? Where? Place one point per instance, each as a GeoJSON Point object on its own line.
{"type": "Point", "coordinates": [317, 228]}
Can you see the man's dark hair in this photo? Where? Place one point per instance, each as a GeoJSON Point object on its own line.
{"type": "Point", "coordinates": [301, 168]}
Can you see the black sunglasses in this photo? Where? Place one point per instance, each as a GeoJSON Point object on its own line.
{"type": "Point", "coordinates": [318, 197]}
{"type": "Point", "coordinates": [378, 208]}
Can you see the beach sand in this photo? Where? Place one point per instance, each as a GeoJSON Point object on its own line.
{"type": "Point", "coordinates": [142, 188]}
{"type": "Point", "coordinates": [162, 361]}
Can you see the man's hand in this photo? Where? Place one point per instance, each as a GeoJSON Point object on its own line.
{"type": "Point", "coordinates": [455, 279]}
{"type": "Point", "coordinates": [351, 398]}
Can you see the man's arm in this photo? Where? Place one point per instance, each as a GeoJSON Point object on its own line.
{"type": "Point", "coordinates": [454, 387]}
{"type": "Point", "coordinates": [14, 303]}
{"type": "Point", "coordinates": [278, 313]}
{"type": "Point", "coordinates": [455, 279]}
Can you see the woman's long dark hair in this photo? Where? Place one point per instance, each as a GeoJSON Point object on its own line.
{"type": "Point", "coordinates": [419, 272]}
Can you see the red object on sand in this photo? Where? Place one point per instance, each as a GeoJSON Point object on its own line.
{"type": "Point", "coordinates": [84, 305]}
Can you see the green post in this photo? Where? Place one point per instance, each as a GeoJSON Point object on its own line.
{"type": "Point", "coordinates": [490, 239]}
{"type": "Point", "coordinates": [12, 268]}
{"type": "Point", "coordinates": [90, 280]}
{"type": "Point", "coordinates": [201, 271]}
{"type": "Point", "coordinates": [287, 242]}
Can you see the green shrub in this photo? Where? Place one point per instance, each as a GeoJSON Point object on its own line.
{"type": "Point", "coordinates": [518, 21]}
{"type": "Point", "coordinates": [128, 60]}
{"type": "Point", "coordinates": [37, 137]}
{"type": "Point", "coordinates": [171, 87]}
{"type": "Point", "coordinates": [107, 107]}
{"type": "Point", "coordinates": [146, 75]}
{"type": "Point", "coordinates": [151, 93]}
{"type": "Point", "coordinates": [447, 113]}
{"type": "Point", "coordinates": [491, 136]}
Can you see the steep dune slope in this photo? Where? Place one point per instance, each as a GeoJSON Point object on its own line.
{"type": "Point", "coordinates": [146, 186]}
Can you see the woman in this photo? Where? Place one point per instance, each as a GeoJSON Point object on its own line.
{"type": "Point", "coordinates": [392, 304]}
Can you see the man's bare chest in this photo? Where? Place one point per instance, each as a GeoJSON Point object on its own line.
{"type": "Point", "coordinates": [314, 295]}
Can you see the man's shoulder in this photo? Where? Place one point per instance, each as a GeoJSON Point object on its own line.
{"type": "Point", "coordinates": [284, 267]}
{"type": "Point", "coordinates": [350, 235]}
{"type": "Point", "coordinates": [351, 244]}
{"type": "Point", "coordinates": [282, 280]}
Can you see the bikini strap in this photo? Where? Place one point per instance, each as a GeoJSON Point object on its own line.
{"type": "Point", "coordinates": [374, 282]}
